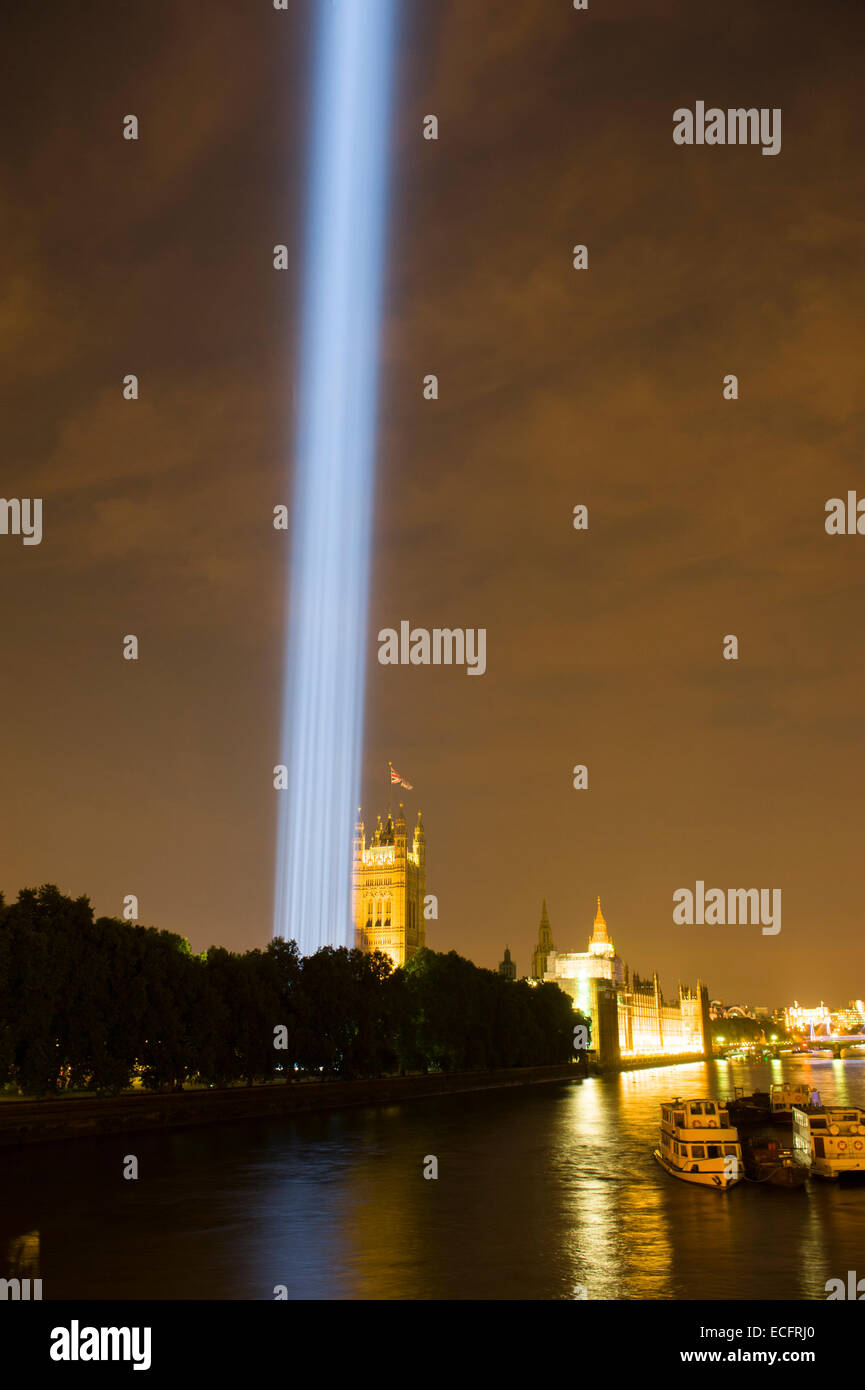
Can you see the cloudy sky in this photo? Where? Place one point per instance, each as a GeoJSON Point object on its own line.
{"type": "Point", "coordinates": [557, 387]}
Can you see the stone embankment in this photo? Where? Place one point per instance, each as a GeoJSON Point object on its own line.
{"type": "Point", "coordinates": [28, 1121]}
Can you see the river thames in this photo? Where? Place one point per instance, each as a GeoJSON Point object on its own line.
{"type": "Point", "coordinates": [542, 1192]}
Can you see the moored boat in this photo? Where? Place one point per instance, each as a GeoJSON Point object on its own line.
{"type": "Point", "coordinates": [774, 1106]}
{"type": "Point", "coordinates": [829, 1141]}
{"type": "Point", "coordinates": [768, 1161]}
{"type": "Point", "coordinates": [698, 1143]}
{"type": "Point", "coordinates": [784, 1095]}
{"type": "Point", "coordinates": [752, 1109]}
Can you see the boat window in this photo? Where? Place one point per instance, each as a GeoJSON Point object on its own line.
{"type": "Point", "coordinates": [698, 1150]}
{"type": "Point", "coordinates": [730, 1149]}
{"type": "Point", "coordinates": [715, 1151]}
{"type": "Point", "coordinates": [710, 1108]}
{"type": "Point", "coordinates": [680, 1118]}
{"type": "Point", "coordinates": [696, 1108]}
{"type": "Point", "coordinates": [818, 1124]}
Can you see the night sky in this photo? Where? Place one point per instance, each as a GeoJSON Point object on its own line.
{"type": "Point", "coordinates": [557, 387]}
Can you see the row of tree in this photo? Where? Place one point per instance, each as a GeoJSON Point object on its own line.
{"type": "Point", "coordinates": [94, 1004]}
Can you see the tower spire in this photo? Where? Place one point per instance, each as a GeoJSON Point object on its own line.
{"type": "Point", "coordinates": [600, 943]}
{"type": "Point", "coordinates": [544, 946]}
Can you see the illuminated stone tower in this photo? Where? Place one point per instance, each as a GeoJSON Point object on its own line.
{"type": "Point", "coordinates": [544, 946]}
{"type": "Point", "coordinates": [389, 888]}
{"type": "Point", "coordinates": [600, 943]}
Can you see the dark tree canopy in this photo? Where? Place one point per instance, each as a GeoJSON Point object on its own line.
{"type": "Point", "coordinates": [98, 1004]}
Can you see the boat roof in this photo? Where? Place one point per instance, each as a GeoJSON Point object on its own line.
{"type": "Point", "coordinates": [830, 1109]}
{"type": "Point", "coordinates": [694, 1100]}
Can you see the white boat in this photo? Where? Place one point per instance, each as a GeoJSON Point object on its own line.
{"type": "Point", "coordinates": [829, 1140]}
{"type": "Point", "coordinates": [698, 1143]}
{"type": "Point", "coordinates": [784, 1095]}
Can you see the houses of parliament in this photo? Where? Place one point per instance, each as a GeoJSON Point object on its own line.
{"type": "Point", "coordinates": [389, 881]}
{"type": "Point", "coordinates": [630, 1016]}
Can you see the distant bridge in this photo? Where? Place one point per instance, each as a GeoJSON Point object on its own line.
{"type": "Point", "coordinates": [836, 1041]}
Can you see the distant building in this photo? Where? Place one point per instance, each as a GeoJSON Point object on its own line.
{"type": "Point", "coordinates": [389, 888]}
{"type": "Point", "coordinates": [630, 1018]}
{"type": "Point", "coordinates": [718, 1009]}
{"type": "Point", "coordinates": [847, 1020]}
{"type": "Point", "coordinates": [544, 946]}
{"type": "Point", "coordinates": [507, 968]}
{"type": "Point", "coordinates": [799, 1020]}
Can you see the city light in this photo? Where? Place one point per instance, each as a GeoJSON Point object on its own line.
{"type": "Point", "coordinates": [327, 614]}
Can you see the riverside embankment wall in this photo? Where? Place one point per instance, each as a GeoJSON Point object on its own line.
{"type": "Point", "coordinates": [637, 1063]}
{"type": "Point", "coordinates": [28, 1121]}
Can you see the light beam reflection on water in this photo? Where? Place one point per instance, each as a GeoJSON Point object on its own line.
{"type": "Point", "coordinates": [539, 1191]}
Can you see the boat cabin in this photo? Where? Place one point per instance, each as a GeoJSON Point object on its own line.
{"type": "Point", "coordinates": [695, 1114]}
{"type": "Point", "coordinates": [785, 1094]}
{"type": "Point", "coordinates": [698, 1143]}
{"type": "Point", "coordinates": [830, 1140]}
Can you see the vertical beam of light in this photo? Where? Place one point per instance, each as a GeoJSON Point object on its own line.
{"type": "Point", "coordinates": [338, 378]}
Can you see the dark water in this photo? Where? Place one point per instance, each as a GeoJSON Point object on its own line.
{"type": "Point", "coordinates": [539, 1191]}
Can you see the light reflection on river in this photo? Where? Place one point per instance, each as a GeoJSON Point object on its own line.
{"type": "Point", "coordinates": [539, 1191]}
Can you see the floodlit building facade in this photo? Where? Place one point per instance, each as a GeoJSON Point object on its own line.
{"type": "Point", "coordinates": [630, 1017]}
{"type": "Point", "coordinates": [389, 888]}
{"type": "Point", "coordinates": [799, 1020]}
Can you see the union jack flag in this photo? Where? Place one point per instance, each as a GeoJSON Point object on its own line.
{"type": "Point", "coordinates": [395, 778]}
